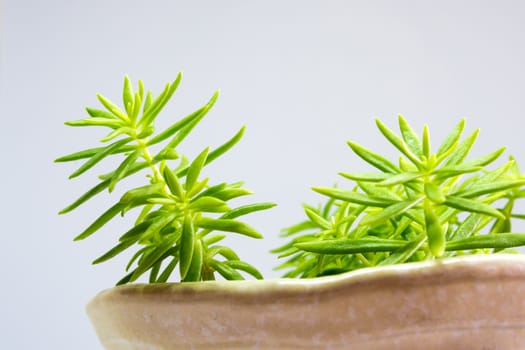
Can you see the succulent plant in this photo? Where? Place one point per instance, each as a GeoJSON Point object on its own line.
{"type": "Point", "coordinates": [428, 205]}
{"type": "Point", "coordinates": [180, 212]}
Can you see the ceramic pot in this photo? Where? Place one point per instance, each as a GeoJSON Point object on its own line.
{"type": "Point", "coordinates": [472, 302]}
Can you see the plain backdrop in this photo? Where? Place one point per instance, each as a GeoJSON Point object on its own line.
{"type": "Point", "coordinates": [303, 77]}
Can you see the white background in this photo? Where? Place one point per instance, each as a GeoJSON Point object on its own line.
{"type": "Point", "coordinates": [303, 76]}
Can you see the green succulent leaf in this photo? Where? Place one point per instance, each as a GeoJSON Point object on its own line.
{"type": "Point", "coordinates": [153, 256]}
{"type": "Point", "coordinates": [158, 104]}
{"type": "Point", "coordinates": [244, 266]}
{"type": "Point", "coordinates": [127, 96]}
{"type": "Point", "coordinates": [228, 225]}
{"type": "Point", "coordinates": [103, 153]}
{"type": "Point", "coordinates": [148, 101]}
{"type": "Point", "coordinates": [158, 223]}
{"type": "Point", "coordinates": [224, 251]}
{"type": "Point", "coordinates": [140, 195]}
{"type": "Point", "coordinates": [472, 206]}
{"type": "Point", "coordinates": [154, 271]}
{"type": "Point", "coordinates": [247, 209]}
{"type": "Point", "coordinates": [96, 121]}
{"type": "Point", "coordinates": [400, 179]}
{"type": "Point", "coordinates": [316, 218]}
{"type": "Point", "coordinates": [232, 192]}
{"type": "Point", "coordinates": [100, 221]}
{"type": "Point", "coordinates": [173, 182]}
{"type": "Point", "coordinates": [134, 234]}
{"type": "Point", "coordinates": [217, 152]}
{"type": "Point", "coordinates": [486, 159]}
{"type": "Point", "coordinates": [410, 137]}
{"type": "Point", "coordinates": [119, 248]}
{"type": "Point", "coordinates": [404, 253]}
{"type": "Point", "coordinates": [467, 228]}
{"type": "Point", "coordinates": [450, 142]}
{"type": "Point", "coordinates": [195, 269]}
{"type": "Point", "coordinates": [366, 177]}
{"type": "Point", "coordinates": [391, 211]}
{"type": "Point", "coordinates": [426, 142]}
{"type": "Point", "coordinates": [195, 169]}
{"type": "Point", "coordinates": [373, 159]}
{"type": "Point", "coordinates": [86, 196]}
{"type": "Point", "coordinates": [225, 270]}
{"type": "Point", "coordinates": [452, 171]}
{"type": "Point", "coordinates": [134, 109]}
{"type": "Point", "coordinates": [479, 190]}
{"type": "Point", "coordinates": [462, 150]}
{"type": "Point", "coordinates": [354, 197]}
{"type": "Point", "coordinates": [209, 205]}
{"type": "Point", "coordinates": [500, 241]}
{"type": "Point", "coordinates": [113, 108]}
{"type": "Point", "coordinates": [187, 246]}
{"type": "Point", "coordinates": [351, 246]}
{"type": "Point", "coordinates": [168, 270]}
{"type": "Point", "coordinates": [190, 120]}
{"type": "Point", "coordinates": [398, 143]}
{"type": "Point", "coordinates": [90, 152]}
{"type": "Point", "coordinates": [122, 169]}
{"type": "Point", "coordinates": [98, 113]}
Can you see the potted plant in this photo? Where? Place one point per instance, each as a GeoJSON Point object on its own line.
{"type": "Point", "coordinates": [418, 252]}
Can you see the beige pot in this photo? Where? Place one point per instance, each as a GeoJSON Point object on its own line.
{"type": "Point", "coordinates": [473, 302]}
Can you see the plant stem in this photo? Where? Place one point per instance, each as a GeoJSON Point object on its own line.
{"type": "Point", "coordinates": [149, 159]}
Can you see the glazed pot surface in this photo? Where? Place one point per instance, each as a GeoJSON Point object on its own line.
{"type": "Point", "coordinates": [472, 302]}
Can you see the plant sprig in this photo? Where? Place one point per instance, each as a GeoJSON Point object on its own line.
{"type": "Point", "coordinates": [428, 205]}
{"type": "Point", "coordinates": [182, 215]}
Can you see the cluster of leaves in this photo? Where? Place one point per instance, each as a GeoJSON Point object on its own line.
{"type": "Point", "coordinates": [426, 206]}
{"type": "Point", "coordinates": [181, 213]}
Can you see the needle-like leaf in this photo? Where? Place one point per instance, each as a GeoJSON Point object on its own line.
{"type": "Point", "coordinates": [354, 197]}
{"type": "Point", "coordinates": [227, 225]}
{"type": "Point", "coordinates": [479, 190]}
{"type": "Point", "coordinates": [244, 266]}
{"type": "Point", "coordinates": [197, 260]}
{"type": "Point", "coordinates": [410, 137]}
{"type": "Point", "coordinates": [187, 246]}
{"type": "Point", "coordinates": [462, 150]}
{"type": "Point", "coordinates": [225, 271]}
{"type": "Point", "coordinates": [373, 159]}
{"type": "Point", "coordinates": [100, 221]}
{"type": "Point", "coordinates": [113, 108]}
{"type": "Point", "coordinates": [472, 206]}
{"type": "Point", "coordinates": [451, 140]}
{"type": "Point", "coordinates": [106, 151]}
{"type": "Point", "coordinates": [391, 211]}
{"type": "Point", "coordinates": [86, 196]}
{"type": "Point", "coordinates": [122, 169]}
{"type": "Point", "coordinates": [153, 256]}
{"type": "Point", "coordinates": [398, 143]}
{"type": "Point", "coordinates": [351, 246]}
{"type": "Point", "coordinates": [499, 241]}
{"type": "Point", "coordinates": [195, 169]}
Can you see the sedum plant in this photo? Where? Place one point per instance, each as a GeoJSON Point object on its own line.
{"type": "Point", "coordinates": [428, 205]}
{"type": "Point", "coordinates": [181, 217]}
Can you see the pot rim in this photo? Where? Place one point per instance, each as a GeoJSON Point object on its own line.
{"type": "Point", "coordinates": [508, 264]}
